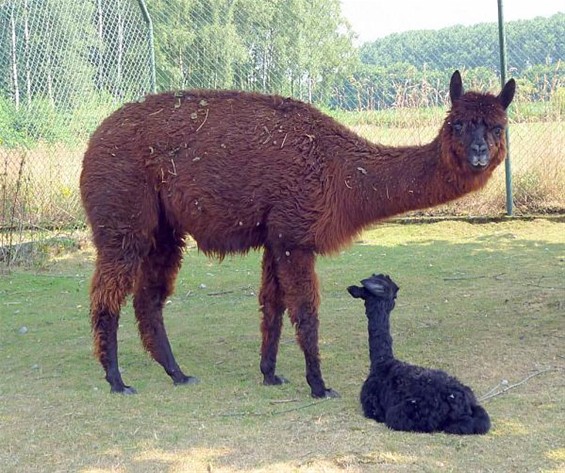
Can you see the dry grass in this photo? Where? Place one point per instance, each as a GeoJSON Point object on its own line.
{"type": "Point", "coordinates": [485, 302]}
{"type": "Point", "coordinates": [47, 193]}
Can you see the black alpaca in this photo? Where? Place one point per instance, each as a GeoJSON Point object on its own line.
{"type": "Point", "coordinates": [404, 396]}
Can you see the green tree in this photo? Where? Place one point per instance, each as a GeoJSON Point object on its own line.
{"type": "Point", "coordinates": [296, 47]}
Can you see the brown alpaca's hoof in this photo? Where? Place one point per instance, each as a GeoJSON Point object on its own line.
{"type": "Point", "coordinates": [126, 390]}
{"type": "Point", "coordinates": [327, 394]}
{"type": "Point", "coordinates": [274, 380]}
{"type": "Point", "coordinates": [186, 380]}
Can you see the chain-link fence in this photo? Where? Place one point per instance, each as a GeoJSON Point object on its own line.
{"type": "Point", "coordinates": [65, 65]}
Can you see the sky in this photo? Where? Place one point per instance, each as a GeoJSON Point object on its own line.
{"type": "Point", "coordinates": [372, 19]}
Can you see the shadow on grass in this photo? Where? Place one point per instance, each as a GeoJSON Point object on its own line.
{"type": "Point", "coordinates": [486, 303]}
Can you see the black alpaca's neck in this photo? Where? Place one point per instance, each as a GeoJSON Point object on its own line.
{"type": "Point", "coordinates": [380, 340]}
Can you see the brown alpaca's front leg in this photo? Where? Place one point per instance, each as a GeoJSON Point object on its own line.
{"type": "Point", "coordinates": [299, 285]}
{"type": "Point", "coordinates": [272, 306]}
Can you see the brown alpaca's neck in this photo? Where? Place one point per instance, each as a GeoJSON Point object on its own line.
{"type": "Point", "coordinates": [377, 182]}
{"type": "Point", "coordinates": [399, 180]}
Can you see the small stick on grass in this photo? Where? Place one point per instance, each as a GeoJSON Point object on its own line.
{"type": "Point", "coordinates": [461, 278]}
{"type": "Point", "coordinates": [283, 401]}
{"type": "Point", "coordinates": [221, 293]}
{"type": "Point", "coordinates": [505, 387]}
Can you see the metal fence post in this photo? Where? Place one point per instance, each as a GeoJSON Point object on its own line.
{"type": "Point", "coordinates": [149, 22]}
{"type": "Point", "coordinates": [507, 164]}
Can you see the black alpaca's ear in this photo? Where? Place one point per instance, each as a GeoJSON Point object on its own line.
{"type": "Point", "coordinates": [455, 87]}
{"type": "Point", "coordinates": [374, 286]}
{"type": "Point", "coordinates": [357, 292]}
{"type": "Point", "coordinates": [507, 94]}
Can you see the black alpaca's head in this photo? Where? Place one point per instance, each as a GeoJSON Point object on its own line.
{"type": "Point", "coordinates": [377, 288]}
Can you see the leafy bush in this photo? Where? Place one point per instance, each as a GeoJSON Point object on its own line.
{"type": "Point", "coordinates": [11, 133]}
{"type": "Point", "coordinates": [42, 122]}
{"type": "Point", "coordinates": [88, 114]}
{"type": "Point", "coordinates": [558, 100]}
{"type": "Point", "coordinates": [30, 124]}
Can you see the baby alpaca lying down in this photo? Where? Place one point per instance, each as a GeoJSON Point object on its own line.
{"type": "Point", "coordinates": [404, 396]}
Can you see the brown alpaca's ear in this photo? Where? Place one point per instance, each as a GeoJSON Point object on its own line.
{"type": "Point", "coordinates": [455, 87]}
{"type": "Point", "coordinates": [507, 94]}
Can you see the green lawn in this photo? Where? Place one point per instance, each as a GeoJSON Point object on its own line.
{"type": "Point", "coordinates": [485, 302]}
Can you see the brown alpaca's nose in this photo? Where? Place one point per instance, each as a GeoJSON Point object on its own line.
{"type": "Point", "coordinates": [479, 148]}
{"type": "Point", "coordinates": [478, 154]}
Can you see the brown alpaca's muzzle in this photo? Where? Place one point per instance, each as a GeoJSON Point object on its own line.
{"type": "Point", "coordinates": [479, 161]}
{"type": "Point", "coordinates": [478, 155]}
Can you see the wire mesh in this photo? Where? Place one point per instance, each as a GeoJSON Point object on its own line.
{"type": "Point", "coordinates": [65, 65]}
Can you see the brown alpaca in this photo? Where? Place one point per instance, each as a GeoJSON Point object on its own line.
{"type": "Point", "coordinates": [238, 171]}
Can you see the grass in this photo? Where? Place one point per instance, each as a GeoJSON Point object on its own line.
{"type": "Point", "coordinates": [485, 302]}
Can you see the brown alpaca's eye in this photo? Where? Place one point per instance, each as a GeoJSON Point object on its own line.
{"type": "Point", "coordinates": [457, 127]}
{"type": "Point", "coordinates": [497, 131]}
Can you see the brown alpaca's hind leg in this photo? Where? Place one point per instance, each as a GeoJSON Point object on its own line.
{"type": "Point", "coordinates": [299, 285]}
{"type": "Point", "coordinates": [111, 283]}
{"type": "Point", "coordinates": [154, 284]}
{"type": "Point", "coordinates": [272, 306]}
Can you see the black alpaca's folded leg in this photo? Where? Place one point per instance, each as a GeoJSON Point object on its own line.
{"type": "Point", "coordinates": [481, 420]}
{"type": "Point", "coordinates": [466, 416]}
{"type": "Point", "coordinates": [463, 426]}
{"type": "Point", "coordinates": [412, 415]}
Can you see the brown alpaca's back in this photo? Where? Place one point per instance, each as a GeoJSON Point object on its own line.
{"type": "Point", "coordinates": [237, 171]}
{"type": "Point", "coordinates": [232, 169]}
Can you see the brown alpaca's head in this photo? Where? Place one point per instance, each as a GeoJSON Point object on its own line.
{"type": "Point", "coordinates": [474, 130]}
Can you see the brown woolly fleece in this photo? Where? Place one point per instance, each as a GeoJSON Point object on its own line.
{"type": "Point", "coordinates": [239, 171]}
